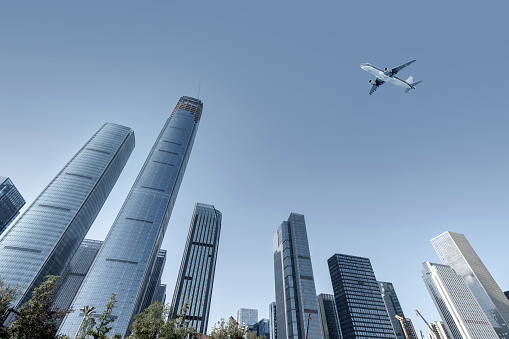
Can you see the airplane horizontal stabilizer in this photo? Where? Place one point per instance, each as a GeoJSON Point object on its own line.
{"type": "Point", "coordinates": [413, 85]}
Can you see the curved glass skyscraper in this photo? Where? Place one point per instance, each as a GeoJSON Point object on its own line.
{"type": "Point", "coordinates": [125, 261]}
{"type": "Point", "coordinates": [45, 238]}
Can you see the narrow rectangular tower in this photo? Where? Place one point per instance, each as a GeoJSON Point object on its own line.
{"type": "Point", "coordinates": [196, 275]}
{"type": "Point", "coordinates": [44, 239]}
{"type": "Point", "coordinates": [454, 250]}
{"type": "Point", "coordinates": [125, 261]}
{"type": "Point", "coordinates": [329, 317]}
{"type": "Point", "coordinates": [361, 310]}
{"type": "Point", "coordinates": [393, 307]}
{"type": "Point", "coordinates": [457, 306]}
{"type": "Point", "coordinates": [11, 202]}
{"type": "Point", "coordinates": [273, 320]}
{"type": "Point", "coordinates": [154, 281]}
{"type": "Point", "coordinates": [294, 282]}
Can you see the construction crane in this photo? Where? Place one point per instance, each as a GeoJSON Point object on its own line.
{"type": "Point", "coordinates": [401, 321]}
{"type": "Point", "coordinates": [431, 330]}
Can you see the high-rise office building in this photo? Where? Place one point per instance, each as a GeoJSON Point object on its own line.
{"type": "Point", "coordinates": [454, 250]}
{"type": "Point", "coordinates": [160, 294]}
{"type": "Point", "coordinates": [440, 329]}
{"type": "Point", "coordinates": [11, 202]}
{"type": "Point", "coordinates": [410, 330]}
{"type": "Point", "coordinates": [196, 275]}
{"type": "Point", "coordinates": [393, 307]}
{"type": "Point", "coordinates": [294, 281]}
{"type": "Point", "coordinates": [44, 239]}
{"type": "Point", "coordinates": [360, 306]}
{"type": "Point", "coordinates": [154, 281]}
{"type": "Point", "coordinates": [262, 328]}
{"type": "Point", "coordinates": [457, 306]}
{"type": "Point", "coordinates": [75, 272]}
{"type": "Point", "coordinates": [124, 263]}
{"type": "Point", "coordinates": [329, 316]}
{"type": "Point", "coordinates": [247, 317]}
{"type": "Point", "coordinates": [272, 319]}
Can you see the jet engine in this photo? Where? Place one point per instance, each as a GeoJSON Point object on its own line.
{"type": "Point", "coordinates": [371, 81]}
{"type": "Point", "coordinates": [388, 69]}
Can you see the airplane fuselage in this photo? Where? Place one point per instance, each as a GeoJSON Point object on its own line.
{"type": "Point", "coordinates": [380, 74]}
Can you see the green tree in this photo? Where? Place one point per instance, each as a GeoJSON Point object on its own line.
{"type": "Point", "coordinates": [37, 318]}
{"type": "Point", "coordinates": [98, 330]}
{"type": "Point", "coordinates": [157, 322]}
{"type": "Point", "coordinates": [150, 322]}
{"type": "Point", "coordinates": [253, 335]}
{"type": "Point", "coordinates": [227, 330]}
{"type": "Point", "coordinates": [7, 295]}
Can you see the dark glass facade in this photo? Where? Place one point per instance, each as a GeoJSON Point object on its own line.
{"type": "Point", "coordinates": [160, 294]}
{"type": "Point", "coordinates": [360, 306]}
{"type": "Point", "coordinates": [75, 272]}
{"type": "Point", "coordinates": [262, 328]}
{"type": "Point", "coordinates": [294, 281]}
{"type": "Point", "coordinates": [196, 276]}
{"type": "Point", "coordinates": [329, 317]}
{"type": "Point", "coordinates": [46, 236]}
{"type": "Point", "coordinates": [11, 202]}
{"type": "Point", "coordinates": [155, 281]}
{"type": "Point", "coordinates": [393, 307]}
{"type": "Point", "coordinates": [124, 263]}
{"type": "Point", "coordinates": [409, 326]}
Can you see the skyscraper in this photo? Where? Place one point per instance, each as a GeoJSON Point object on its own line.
{"type": "Point", "coordinates": [160, 294]}
{"type": "Point", "coordinates": [11, 202]}
{"type": "Point", "coordinates": [454, 250]}
{"type": "Point", "coordinates": [273, 321]}
{"type": "Point", "coordinates": [75, 272]}
{"type": "Point", "coordinates": [44, 239]}
{"type": "Point", "coordinates": [440, 328]}
{"type": "Point", "coordinates": [262, 328]}
{"type": "Point", "coordinates": [124, 263]}
{"type": "Point", "coordinates": [393, 307]}
{"type": "Point", "coordinates": [154, 281]}
{"type": "Point", "coordinates": [409, 326]}
{"type": "Point", "coordinates": [329, 316]}
{"type": "Point", "coordinates": [196, 275]}
{"type": "Point", "coordinates": [457, 306]}
{"type": "Point", "coordinates": [360, 306]}
{"type": "Point", "coordinates": [247, 317]}
{"type": "Point", "coordinates": [294, 281]}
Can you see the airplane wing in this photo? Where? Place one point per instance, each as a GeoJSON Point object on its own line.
{"type": "Point", "coordinates": [395, 70]}
{"type": "Point", "coordinates": [377, 84]}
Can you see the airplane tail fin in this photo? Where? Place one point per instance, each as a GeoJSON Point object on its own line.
{"type": "Point", "coordinates": [410, 79]}
{"type": "Point", "coordinates": [412, 84]}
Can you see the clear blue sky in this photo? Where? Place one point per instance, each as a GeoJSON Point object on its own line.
{"type": "Point", "coordinates": [288, 125]}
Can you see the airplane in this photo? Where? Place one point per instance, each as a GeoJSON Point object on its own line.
{"type": "Point", "coordinates": [388, 75]}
